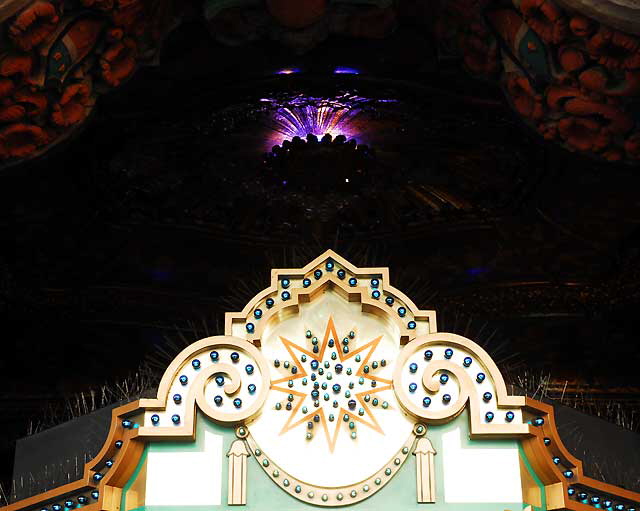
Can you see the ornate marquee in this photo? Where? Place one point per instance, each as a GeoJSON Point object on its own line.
{"type": "Point", "coordinates": [331, 388]}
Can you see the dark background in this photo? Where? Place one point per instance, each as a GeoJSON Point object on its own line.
{"type": "Point", "coordinates": [133, 239]}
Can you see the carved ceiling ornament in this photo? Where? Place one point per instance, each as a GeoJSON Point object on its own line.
{"type": "Point", "coordinates": [329, 381]}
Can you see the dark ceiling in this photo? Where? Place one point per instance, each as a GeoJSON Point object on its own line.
{"type": "Point", "coordinates": [138, 234]}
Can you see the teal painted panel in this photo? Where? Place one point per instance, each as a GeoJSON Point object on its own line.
{"type": "Point", "coordinates": [399, 493]}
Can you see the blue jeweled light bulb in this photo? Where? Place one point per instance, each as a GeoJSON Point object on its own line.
{"type": "Point", "coordinates": [175, 419]}
{"type": "Point", "coordinates": [353, 281]}
{"type": "Point", "coordinates": [184, 380]}
{"type": "Point", "coordinates": [538, 421]}
{"type": "Point", "coordinates": [317, 274]}
{"type": "Point", "coordinates": [217, 400]}
{"type": "Point", "coordinates": [412, 387]}
{"type": "Point", "coordinates": [488, 416]}
{"type": "Point", "coordinates": [487, 397]}
{"type": "Point", "coordinates": [402, 312]}
{"type": "Point", "coordinates": [285, 295]}
{"type": "Point", "coordinates": [237, 402]}
{"type": "Point", "coordinates": [195, 363]}
{"type": "Point", "coordinates": [411, 325]}
{"type": "Point", "coordinates": [446, 398]}
{"type": "Point", "coordinates": [248, 368]}
{"type": "Point", "coordinates": [127, 423]}
{"type": "Point", "coordinates": [375, 294]}
{"type": "Point", "coordinates": [428, 355]}
{"type": "Point", "coordinates": [155, 419]}
{"type": "Point", "coordinates": [448, 353]}
{"type": "Point", "coordinates": [215, 356]}
{"type": "Point", "coordinates": [269, 302]}
{"type": "Point", "coordinates": [444, 378]}
{"type": "Point", "coordinates": [480, 377]}
{"type": "Point", "coordinates": [177, 399]}
{"type": "Point", "coordinates": [426, 401]}
{"type": "Point", "coordinates": [220, 380]}
{"type": "Point", "coordinates": [251, 388]}
{"type": "Point", "coordinates": [341, 274]}
{"type": "Point", "coordinates": [389, 300]}
{"type": "Point", "coordinates": [467, 361]}
{"type": "Point", "coordinates": [413, 367]}
{"type": "Point", "coordinates": [235, 356]}
{"type": "Point", "coordinates": [250, 328]}
{"type": "Point", "coordinates": [306, 282]}
{"type": "Point", "coordinates": [257, 313]}
{"type": "Point", "coordinates": [509, 416]}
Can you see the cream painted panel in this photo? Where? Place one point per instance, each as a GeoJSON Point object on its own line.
{"type": "Point", "coordinates": [300, 457]}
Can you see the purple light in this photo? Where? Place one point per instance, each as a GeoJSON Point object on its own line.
{"type": "Point", "coordinates": [288, 71]}
{"type": "Point", "coordinates": [345, 71]}
{"type": "Point", "coordinates": [305, 115]}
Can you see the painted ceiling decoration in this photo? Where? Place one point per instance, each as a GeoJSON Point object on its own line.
{"type": "Point", "coordinates": [331, 388]}
{"type": "Point", "coordinates": [569, 68]}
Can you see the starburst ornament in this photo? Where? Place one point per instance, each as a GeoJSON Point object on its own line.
{"type": "Point", "coordinates": [330, 385]}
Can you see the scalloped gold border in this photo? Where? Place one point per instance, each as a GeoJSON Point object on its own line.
{"type": "Point", "coordinates": [556, 484]}
{"type": "Point", "coordinates": [304, 295]}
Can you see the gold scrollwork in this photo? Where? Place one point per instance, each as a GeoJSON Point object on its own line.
{"type": "Point", "coordinates": [467, 392]}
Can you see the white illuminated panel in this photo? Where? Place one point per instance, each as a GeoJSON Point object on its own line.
{"type": "Point", "coordinates": [479, 475]}
{"type": "Point", "coordinates": [186, 478]}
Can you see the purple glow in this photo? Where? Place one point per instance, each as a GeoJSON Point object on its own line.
{"type": "Point", "coordinates": [345, 71]}
{"type": "Point", "coordinates": [474, 272]}
{"type": "Point", "coordinates": [304, 115]}
{"type": "Point", "coordinates": [288, 71]}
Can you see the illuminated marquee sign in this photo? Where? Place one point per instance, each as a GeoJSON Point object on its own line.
{"type": "Point", "coordinates": [331, 388]}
